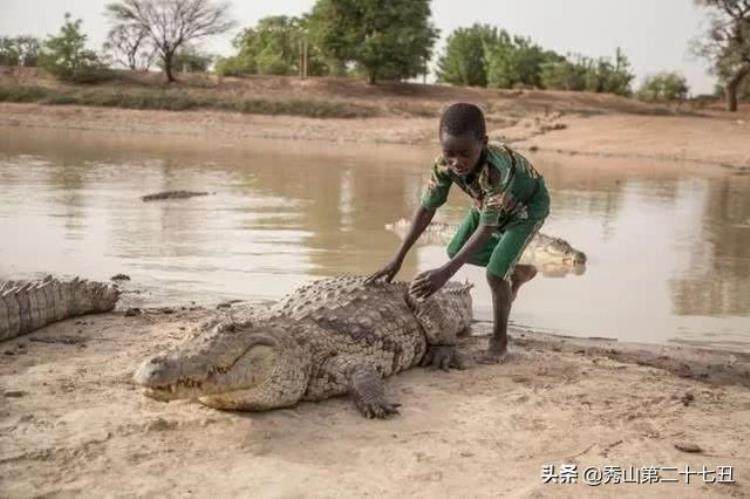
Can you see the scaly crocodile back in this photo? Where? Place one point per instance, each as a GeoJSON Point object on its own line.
{"type": "Point", "coordinates": [373, 321]}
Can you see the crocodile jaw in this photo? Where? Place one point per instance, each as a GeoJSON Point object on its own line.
{"type": "Point", "coordinates": [171, 376]}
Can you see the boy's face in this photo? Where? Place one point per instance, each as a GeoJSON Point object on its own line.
{"type": "Point", "coordinates": [461, 152]}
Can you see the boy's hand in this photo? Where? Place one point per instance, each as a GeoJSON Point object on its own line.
{"type": "Point", "coordinates": [426, 283]}
{"type": "Point", "coordinates": [389, 272]}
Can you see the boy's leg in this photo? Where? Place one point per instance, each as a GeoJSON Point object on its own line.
{"type": "Point", "coordinates": [463, 233]}
{"type": "Point", "coordinates": [500, 270]}
{"type": "Point", "coordinates": [521, 274]}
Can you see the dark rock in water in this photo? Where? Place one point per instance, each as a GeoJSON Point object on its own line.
{"type": "Point", "coordinates": [160, 196]}
{"type": "Point", "coordinates": [120, 277]}
{"type": "Point", "coordinates": [133, 311]}
{"type": "Point", "coordinates": [228, 303]}
{"type": "Point", "coordinates": [687, 447]}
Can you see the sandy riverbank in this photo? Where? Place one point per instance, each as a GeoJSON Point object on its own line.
{"type": "Point", "coordinates": [710, 140]}
{"type": "Point", "coordinates": [71, 424]}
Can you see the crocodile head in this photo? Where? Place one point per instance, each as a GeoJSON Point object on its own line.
{"type": "Point", "coordinates": [445, 314]}
{"type": "Point", "coordinates": [91, 296]}
{"type": "Point", "coordinates": [556, 250]}
{"type": "Point", "coordinates": [251, 365]}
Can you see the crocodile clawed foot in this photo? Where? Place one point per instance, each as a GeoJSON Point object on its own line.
{"type": "Point", "coordinates": [442, 357]}
{"type": "Point", "coordinates": [368, 392]}
{"type": "Point", "coordinates": [377, 409]}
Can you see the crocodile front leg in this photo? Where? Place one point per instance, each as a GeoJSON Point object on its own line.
{"type": "Point", "coordinates": [347, 374]}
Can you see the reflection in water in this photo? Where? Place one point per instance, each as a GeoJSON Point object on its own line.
{"type": "Point", "coordinates": [719, 283]}
{"type": "Point", "coordinates": [669, 252]}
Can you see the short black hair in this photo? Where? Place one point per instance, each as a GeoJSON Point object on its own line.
{"type": "Point", "coordinates": [463, 117]}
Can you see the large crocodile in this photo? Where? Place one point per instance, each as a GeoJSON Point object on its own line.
{"type": "Point", "coordinates": [328, 338]}
{"type": "Point", "coordinates": [552, 256]}
{"type": "Point", "coordinates": [29, 305]}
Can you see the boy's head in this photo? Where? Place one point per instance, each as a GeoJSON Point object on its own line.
{"type": "Point", "coordinates": [463, 136]}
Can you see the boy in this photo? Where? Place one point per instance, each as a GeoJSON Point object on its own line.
{"type": "Point", "coordinates": [511, 203]}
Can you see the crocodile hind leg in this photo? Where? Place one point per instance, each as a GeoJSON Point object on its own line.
{"type": "Point", "coordinates": [368, 392]}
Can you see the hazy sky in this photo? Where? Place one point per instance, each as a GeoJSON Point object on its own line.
{"type": "Point", "coordinates": [653, 33]}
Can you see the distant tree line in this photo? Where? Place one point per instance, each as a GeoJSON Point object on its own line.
{"type": "Point", "coordinates": [372, 39]}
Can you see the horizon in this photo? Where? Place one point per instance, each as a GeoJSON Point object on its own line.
{"type": "Point", "coordinates": [655, 36]}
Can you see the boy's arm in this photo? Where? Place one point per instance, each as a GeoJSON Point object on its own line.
{"type": "Point", "coordinates": [420, 221]}
{"type": "Point", "coordinates": [430, 281]}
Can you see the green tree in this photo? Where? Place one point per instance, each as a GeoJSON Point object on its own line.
{"type": "Point", "coordinates": [171, 24]}
{"type": "Point", "coordinates": [386, 40]}
{"type": "Point", "coordinates": [726, 44]}
{"type": "Point", "coordinates": [516, 62]}
{"type": "Point", "coordinates": [19, 51]}
{"type": "Point", "coordinates": [463, 61]}
{"type": "Point", "coordinates": [9, 53]}
{"type": "Point", "coordinates": [564, 74]}
{"type": "Point", "coordinates": [274, 46]}
{"type": "Point", "coordinates": [584, 73]}
{"type": "Point", "coordinates": [664, 86]}
{"type": "Point", "coordinates": [66, 56]}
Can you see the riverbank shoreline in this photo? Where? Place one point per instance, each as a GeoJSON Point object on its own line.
{"type": "Point", "coordinates": [73, 424]}
{"type": "Point", "coordinates": [710, 141]}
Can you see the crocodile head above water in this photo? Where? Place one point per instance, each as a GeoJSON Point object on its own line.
{"type": "Point", "coordinates": [252, 365]}
{"type": "Point", "coordinates": [553, 249]}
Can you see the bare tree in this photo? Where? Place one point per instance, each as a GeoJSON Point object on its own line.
{"type": "Point", "coordinates": [727, 44]}
{"type": "Point", "coordinates": [170, 24]}
{"type": "Point", "coordinates": [130, 46]}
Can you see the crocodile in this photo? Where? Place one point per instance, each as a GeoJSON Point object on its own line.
{"type": "Point", "coordinates": [160, 196]}
{"type": "Point", "coordinates": [331, 337]}
{"type": "Point", "coordinates": [553, 256]}
{"type": "Point", "coordinates": [29, 305]}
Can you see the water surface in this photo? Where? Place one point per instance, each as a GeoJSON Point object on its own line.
{"type": "Point", "coordinates": [668, 246]}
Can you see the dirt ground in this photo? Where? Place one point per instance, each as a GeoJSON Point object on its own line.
{"type": "Point", "coordinates": [71, 424]}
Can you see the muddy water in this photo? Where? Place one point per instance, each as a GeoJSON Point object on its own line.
{"type": "Point", "coordinates": [668, 246]}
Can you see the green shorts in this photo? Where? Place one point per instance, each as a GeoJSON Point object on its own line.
{"type": "Point", "coordinates": [503, 250]}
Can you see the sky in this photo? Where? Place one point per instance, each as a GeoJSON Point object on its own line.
{"type": "Point", "coordinates": [654, 34]}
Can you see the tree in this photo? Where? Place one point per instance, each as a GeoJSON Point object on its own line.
{"type": "Point", "coordinates": [19, 51]}
{"type": "Point", "coordinates": [9, 53]}
{"type": "Point", "coordinates": [170, 24]}
{"type": "Point", "coordinates": [463, 61]}
{"type": "Point", "coordinates": [726, 44]}
{"type": "Point", "coordinates": [516, 62]}
{"type": "Point", "coordinates": [584, 73]}
{"type": "Point", "coordinates": [130, 46]}
{"type": "Point", "coordinates": [664, 86]}
{"type": "Point", "coordinates": [386, 40]}
{"type": "Point", "coordinates": [274, 46]}
{"type": "Point", "coordinates": [66, 56]}
{"type": "Point", "coordinates": [191, 60]}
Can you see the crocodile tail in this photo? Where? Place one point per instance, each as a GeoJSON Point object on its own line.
{"type": "Point", "coordinates": [25, 307]}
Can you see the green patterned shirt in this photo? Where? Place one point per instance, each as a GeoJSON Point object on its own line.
{"type": "Point", "coordinates": [504, 187]}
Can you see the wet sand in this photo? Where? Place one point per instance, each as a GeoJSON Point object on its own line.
{"type": "Point", "coordinates": [72, 424]}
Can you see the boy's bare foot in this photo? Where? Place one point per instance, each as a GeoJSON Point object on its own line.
{"type": "Point", "coordinates": [521, 274]}
{"type": "Point", "coordinates": [496, 353]}
{"type": "Point", "coordinates": [490, 357]}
